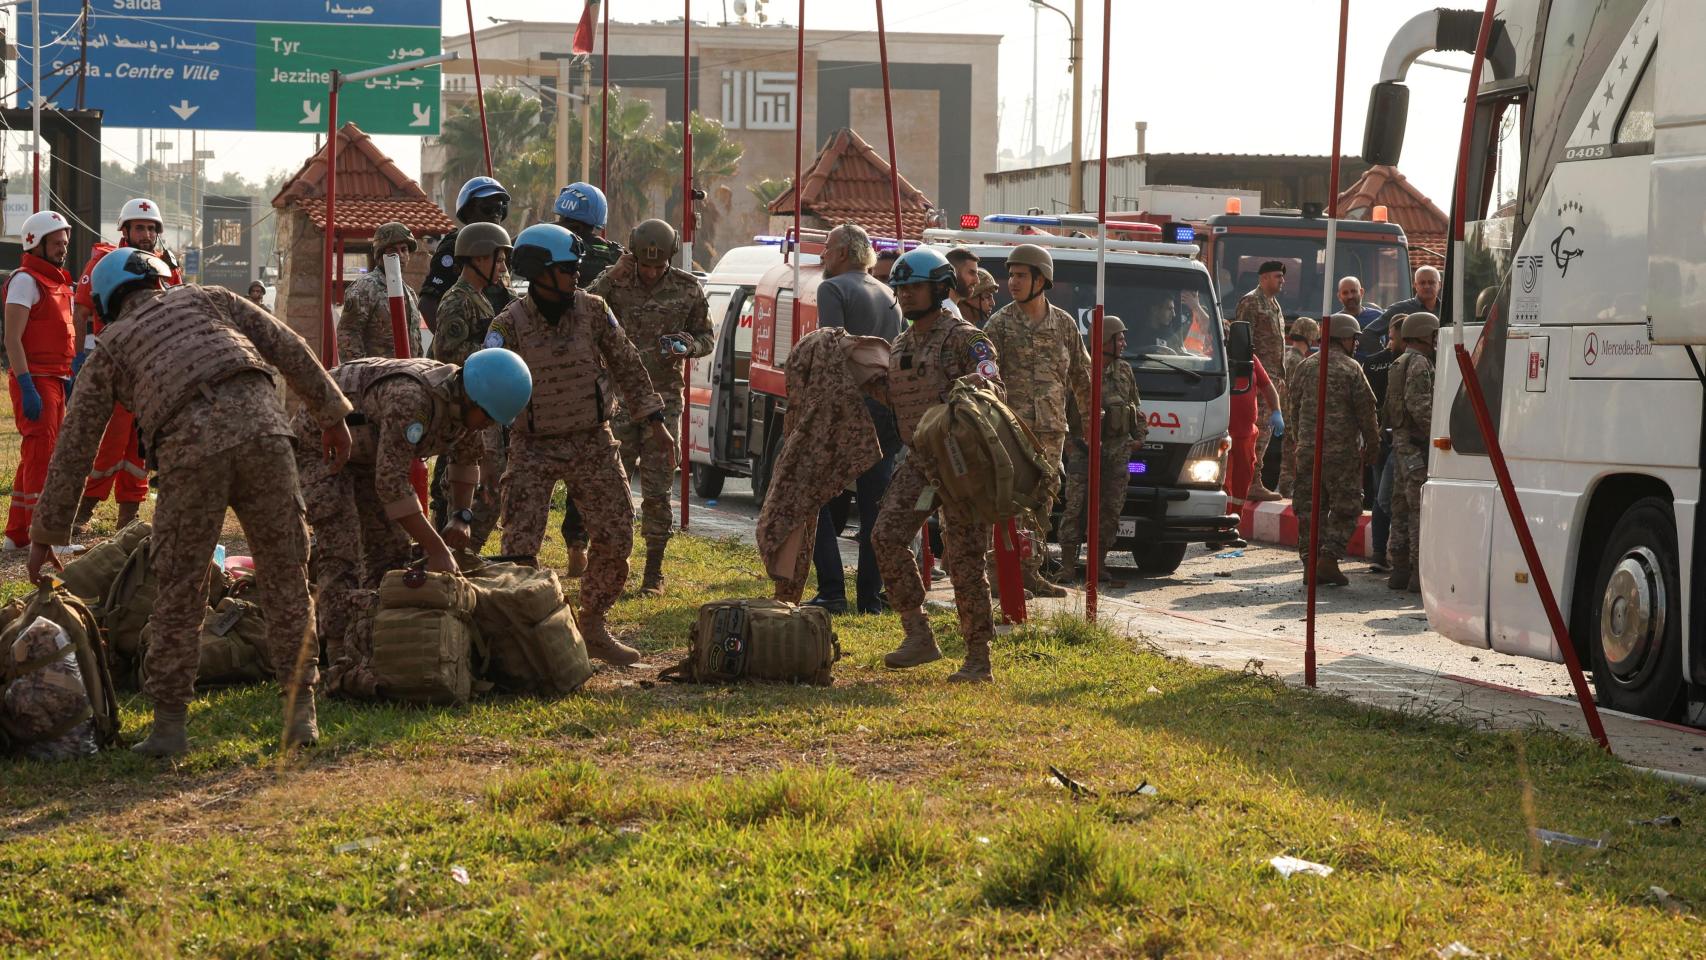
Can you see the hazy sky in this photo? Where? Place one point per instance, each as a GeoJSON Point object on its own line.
{"type": "Point", "coordinates": [1234, 76]}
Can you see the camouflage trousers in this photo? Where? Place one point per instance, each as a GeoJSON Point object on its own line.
{"type": "Point", "coordinates": [965, 544]}
{"type": "Point", "coordinates": [1073, 532]}
{"type": "Point", "coordinates": [588, 464]}
{"type": "Point", "coordinates": [1341, 500]}
{"type": "Point", "coordinates": [1288, 463]}
{"type": "Point", "coordinates": [258, 481]}
{"type": "Point", "coordinates": [656, 467]}
{"type": "Point", "coordinates": [1052, 445]}
{"type": "Point", "coordinates": [1409, 472]}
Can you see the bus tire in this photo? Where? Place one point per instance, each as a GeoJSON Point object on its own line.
{"type": "Point", "coordinates": [1158, 559]}
{"type": "Point", "coordinates": [1634, 623]}
{"type": "Point", "coordinates": [707, 481]}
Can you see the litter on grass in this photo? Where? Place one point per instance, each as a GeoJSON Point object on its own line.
{"type": "Point", "coordinates": [460, 875]}
{"type": "Point", "coordinates": [1455, 948]}
{"type": "Point", "coordinates": [1554, 838]}
{"type": "Point", "coordinates": [1291, 866]}
{"type": "Point", "coordinates": [365, 843]}
{"type": "Point", "coordinates": [1056, 775]}
{"type": "Point", "coordinates": [1229, 555]}
{"type": "Point", "coordinates": [1664, 821]}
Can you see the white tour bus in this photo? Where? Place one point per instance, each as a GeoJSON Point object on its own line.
{"type": "Point", "coordinates": [1580, 289]}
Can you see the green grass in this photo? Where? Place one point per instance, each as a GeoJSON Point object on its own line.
{"type": "Point", "coordinates": [892, 815]}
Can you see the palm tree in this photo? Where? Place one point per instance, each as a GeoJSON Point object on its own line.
{"type": "Point", "coordinates": [767, 190]}
{"type": "Point", "coordinates": [634, 158]}
{"type": "Point", "coordinates": [523, 148]}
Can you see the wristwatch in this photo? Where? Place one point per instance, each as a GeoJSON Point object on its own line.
{"type": "Point", "coordinates": [464, 515]}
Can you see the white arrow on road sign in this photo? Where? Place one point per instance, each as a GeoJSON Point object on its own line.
{"type": "Point", "coordinates": [183, 109]}
{"type": "Point", "coordinates": [423, 116]}
{"type": "Point", "coordinates": [310, 113]}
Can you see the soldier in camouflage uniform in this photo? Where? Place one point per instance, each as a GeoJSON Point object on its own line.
{"type": "Point", "coordinates": [481, 200]}
{"type": "Point", "coordinates": [583, 210]}
{"type": "Point", "coordinates": [1260, 308]}
{"type": "Point", "coordinates": [1045, 363]}
{"type": "Point", "coordinates": [573, 343]}
{"type": "Point", "coordinates": [196, 365]}
{"type": "Point", "coordinates": [364, 326]}
{"type": "Point", "coordinates": [1351, 441]}
{"type": "Point", "coordinates": [1304, 337]}
{"type": "Point", "coordinates": [464, 318]}
{"type": "Point", "coordinates": [1123, 432]}
{"type": "Point", "coordinates": [925, 361]}
{"type": "Point", "coordinates": [664, 312]}
{"type": "Point", "coordinates": [1408, 413]}
{"type": "Point", "coordinates": [367, 515]}
{"type": "Point", "coordinates": [979, 305]}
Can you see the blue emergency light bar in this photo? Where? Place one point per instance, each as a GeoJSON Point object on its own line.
{"type": "Point", "coordinates": [770, 241]}
{"type": "Point", "coordinates": [1179, 233]}
{"type": "Point", "coordinates": [1136, 467]}
{"type": "Point", "coordinates": [1023, 220]}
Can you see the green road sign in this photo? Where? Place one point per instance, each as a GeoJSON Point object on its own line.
{"type": "Point", "coordinates": [293, 64]}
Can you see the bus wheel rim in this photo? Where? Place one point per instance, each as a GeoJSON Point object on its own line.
{"type": "Point", "coordinates": [1632, 616]}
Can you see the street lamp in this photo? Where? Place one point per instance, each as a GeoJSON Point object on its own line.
{"type": "Point", "coordinates": [1076, 57]}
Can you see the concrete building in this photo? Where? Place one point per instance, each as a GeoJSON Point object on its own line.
{"type": "Point", "coordinates": [944, 90]}
{"type": "Point", "coordinates": [1282, 180]}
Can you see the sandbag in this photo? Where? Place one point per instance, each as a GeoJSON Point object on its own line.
{"type": "Point", "coordinates": [36, 709]}
{"type": "Point", "coordinates": [130, 602]}
{"type": "Point", "coordinates": [232, 646]}
{"type": "Point", "coordinates": [759, 640]}
{"type": "Point", "coordinates": [90, 576]}
{"type": "Point", "coordinates": [417, 589]}
{"type": "Point", "coordinates": [424, 656]}
{"type": "Point", "coordinates": [981, 457]}
{"type": "Point", "coordinates": [533, 644]}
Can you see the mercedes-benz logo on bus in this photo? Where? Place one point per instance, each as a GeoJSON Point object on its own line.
{"type": "Point", "coordinates": [1590, 349]}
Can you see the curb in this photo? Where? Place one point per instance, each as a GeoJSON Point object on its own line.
{"type": "Point", "coordinates": [1275, 523]}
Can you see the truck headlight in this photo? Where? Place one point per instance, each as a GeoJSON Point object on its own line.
{"type": "Point", "coordinates": [1205, 464]}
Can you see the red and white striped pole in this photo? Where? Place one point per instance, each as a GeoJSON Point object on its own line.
{"type": "Point", "coordinates": [686, 239]}
{"type": "Point", "coordinates": [1093, 511]}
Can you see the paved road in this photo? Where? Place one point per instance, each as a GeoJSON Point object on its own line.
{"type": "Point", "coordinates": [1262, 590]}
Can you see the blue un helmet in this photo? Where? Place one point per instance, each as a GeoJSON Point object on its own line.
{"type": "Point", "coordinates": [583, 203]}
{"type": "Point", "coordinates": [921, 265]}
{"type": "Point", "coordinates": [121, 271]}
{"type": "Point", "coordinates": [477, 188]}
{"type": "Point", "coordinates": [542, 245]}
{"type": "Point", "coordinates": [498, 381]}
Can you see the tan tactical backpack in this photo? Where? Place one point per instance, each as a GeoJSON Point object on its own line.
{"type": "Point", "coordinates": [428, 653]}
{"type": "Point", "coordinates": [759, 640]}
{"type": "Point", "coordinates": [129, 602]}
{"type": "Point", "coordinates": [90, 576]}
{"type": "Point", "coordinates": [232, 649]}
{"type": "Point", "coordinates": [56, 679]}
{"type": "Point", "coordinates": [532, 642]}
{"type": "Point", "coordinates": [981, 456]}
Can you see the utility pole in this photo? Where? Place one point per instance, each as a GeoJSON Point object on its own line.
{"type": "Point", "coordinates": [1077, 106]}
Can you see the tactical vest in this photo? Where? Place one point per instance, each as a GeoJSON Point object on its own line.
{"type": "Point", "coordinates": [49, 339]}
{"type": "Point", "coordinates": [919, 377]}
{"type": "Point", "coordinates": [443, 427]}
{"type": "Point", "coordinates": [173, 346]}
{"type": "Point", "coordinates": [571, 389]}
{"type": "Point", "coordinates": [1395, 414]}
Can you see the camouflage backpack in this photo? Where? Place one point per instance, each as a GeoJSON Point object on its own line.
{"type": "Point", "coordinates": [56, 679]}
{"type": "Point", "coordinates": [428, 653]}
{"type": "Point", "coordinates": [91, 575]}
{"type": "Point", "coordinates": [759, 640]}
{"type": "Point", "coordinates": [531, 638]}
{"type": "Point", "coordinates": [981, 457]}
{"type": "Point", "coordinates": [232, 648]}
{"type": "Point", "coordinates": [129, 602]}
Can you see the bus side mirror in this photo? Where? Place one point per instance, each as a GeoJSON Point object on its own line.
{"type": "Point", "coordinates": [1241, 354]}
{"type": "Point", "coordinates": [1388, 112]}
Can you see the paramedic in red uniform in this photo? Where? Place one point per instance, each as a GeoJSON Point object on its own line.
{"type": "Point", "coordinates": [1241, 464]}
{"type": "Point", "coordinates": [119, 471]}
{"type": "Point", "coordinates": [40, 345]}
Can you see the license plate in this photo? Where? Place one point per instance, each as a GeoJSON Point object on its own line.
{"type": "Point", "coordinates": [1128, 528]}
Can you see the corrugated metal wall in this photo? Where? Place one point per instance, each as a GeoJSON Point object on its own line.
{"type": "Point", "coordinates": [1050, 188]}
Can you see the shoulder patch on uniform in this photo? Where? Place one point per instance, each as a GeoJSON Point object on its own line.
{"type": "Point", "coordinates": [494, 338]}
{"type": "Point", "coordinates": [414, 432]}
{"type": "Point", "coordinates": [981, 350]}
{"type": "Point", "coordinates": [988, 369]}
{"type": "Point", "coordinates": [447, 260]}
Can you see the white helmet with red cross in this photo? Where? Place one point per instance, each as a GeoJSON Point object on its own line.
{"type": "Point", "coordinates": [141, 208]}
{"type": "Point", "coordinates": [41, 225]}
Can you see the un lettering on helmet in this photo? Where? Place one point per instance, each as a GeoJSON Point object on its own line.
{"type": "Point", "coordinates": [583, 203]}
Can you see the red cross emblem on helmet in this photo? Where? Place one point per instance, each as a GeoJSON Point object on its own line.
{"type": "Point", "coordinates": [144, 206]}
{"type": "Point", "coordinates": [29, 239]}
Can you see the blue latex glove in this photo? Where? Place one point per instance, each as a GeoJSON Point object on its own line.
{"type": "Point", "coordinates": [1279, 424]}
{"type": "Point", "coordinates": [31, 399]}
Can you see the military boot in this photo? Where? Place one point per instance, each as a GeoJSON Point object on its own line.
{"type": "Point", "coordinates": [652, 585]}
{"type": "Point", "coordinates": [976, 667]}
{"type": "Point", "coordinates": [1415, 584]}
{"type": "Point", "coordinates": [1400, 577]}
{"type": "Point", "coordinates": [127, 513]}
{"type": "Point", "coordinates": [301, 720]}
{"type": "Point", "coordinates": [1071, 571]}
{"type": "Point", "coordinates": [1103, 574]}
{"type": "Point", "coordinates": [1038, 585]}
{"type": "Point", "coordinates": [577, 560]}
{"type": "Point", "coordinates": [85, 513]}
{"type": "Point", "coordinates": [167, 737]}
{"type": "Point", "coordinates": [918, 648]}
{"type": "Point", "coordinates": [1327, 572]}
{"type": "Point", "coordinates": [600, 645]}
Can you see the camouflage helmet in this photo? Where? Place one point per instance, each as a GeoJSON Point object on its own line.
{"type": "Point", "coordinates": [1420, 326]}
{"type": "Point", "coordinates": [482, 240]}
{"type": "Point", "coordinates": [1035, 257]}
{"type": "Point", "coordinates": [1395, 329]}
{"type": "Point", "coordinates": [1112, 327]}
{"type": "Point", "coordinates": [1343, 326]}
{"type": "Point", "coordinates": [985, 283]}
{"type": "Point", "coordinates": [1305, 329]}
{"type": "Point", "coordinates": [654, 241]}
{"type": "Point", "coordinates": [392, 234]}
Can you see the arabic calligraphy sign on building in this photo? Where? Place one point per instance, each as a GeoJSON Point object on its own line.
{"type": "Point", "coordinates": [759, 99]}
{"type": "Point", "coordinates": [258, 65]}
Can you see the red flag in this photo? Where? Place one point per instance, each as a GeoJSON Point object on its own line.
{"type": "Point", "coordinates": [583, 32]}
